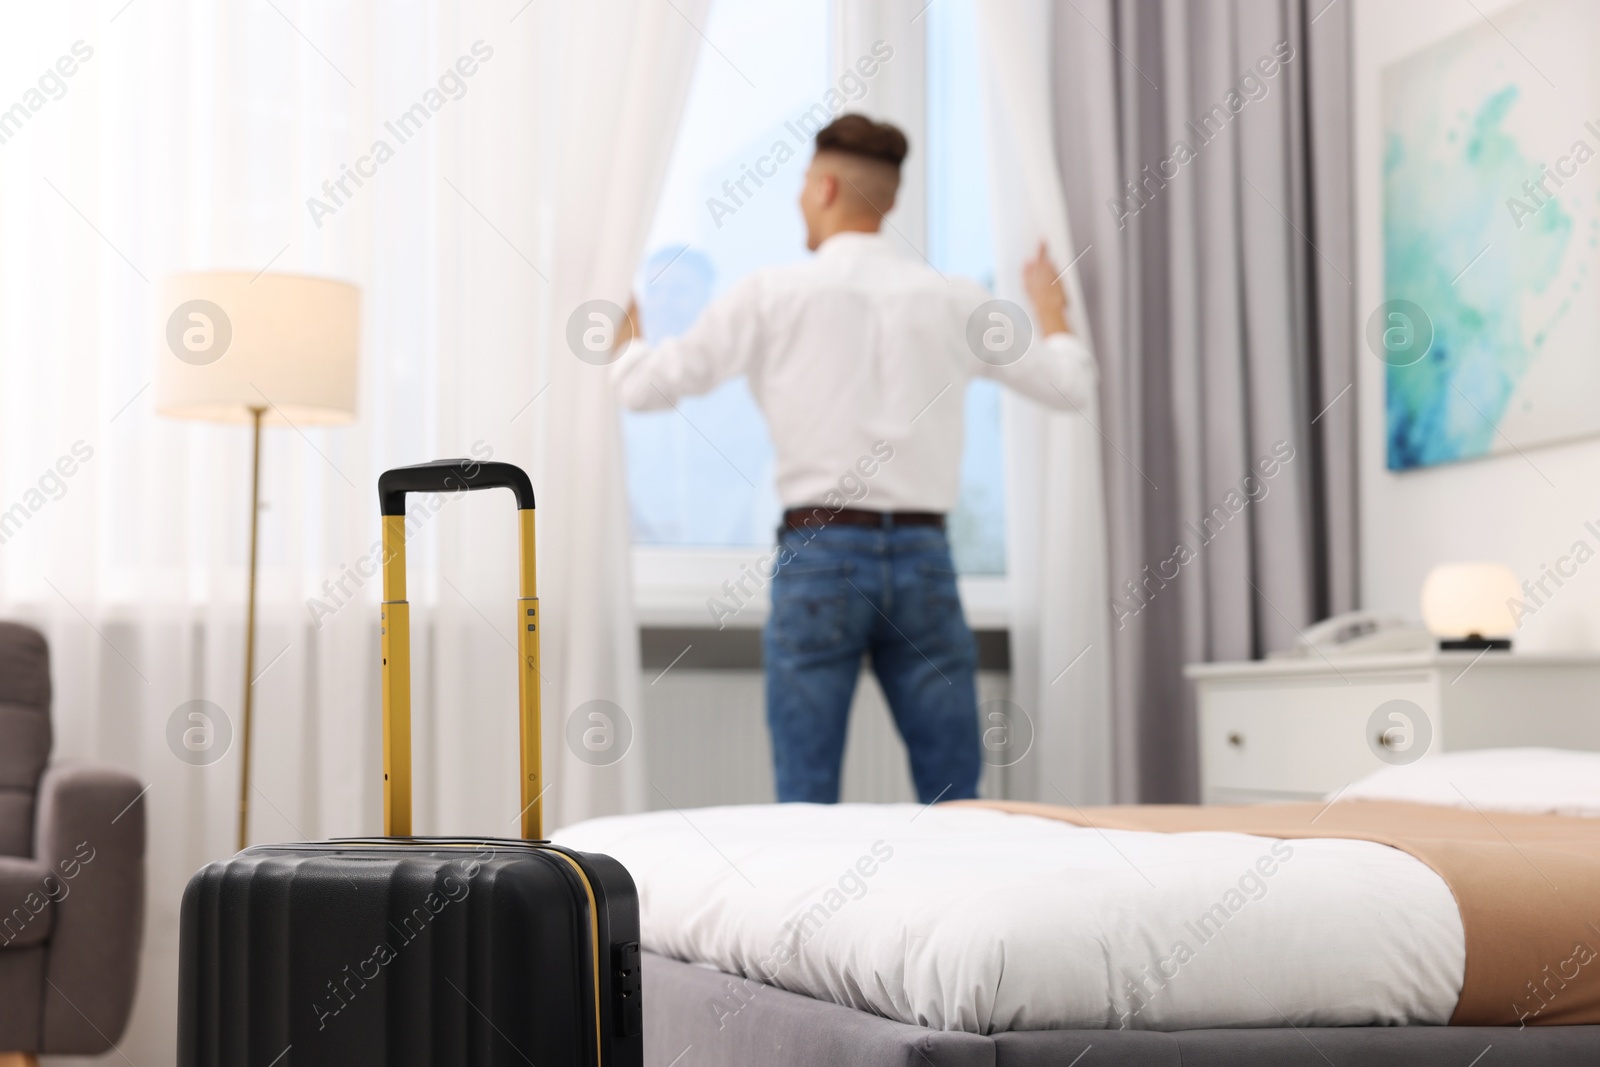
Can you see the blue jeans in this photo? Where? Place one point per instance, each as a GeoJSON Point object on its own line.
{"type": "Point", "coordinates": [890, 593]}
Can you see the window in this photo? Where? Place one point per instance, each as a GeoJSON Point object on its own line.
{"type": "Point", "coordinates": [702, 476]}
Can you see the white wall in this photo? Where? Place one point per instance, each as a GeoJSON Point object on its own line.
{"type": "Point", "coordinates": [1498, 508]}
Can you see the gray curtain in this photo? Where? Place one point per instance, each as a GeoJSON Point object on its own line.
{"type": "Point", "coordinates": [1205, 150]}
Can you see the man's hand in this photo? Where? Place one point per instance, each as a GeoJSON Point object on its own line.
{"type": "Point", "coordinates": [627, 329]}
{"type": "Point", "coordinates": [1045, 291]}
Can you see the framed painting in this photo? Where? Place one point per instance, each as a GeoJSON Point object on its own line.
{"type": "Point", "coordinates": [1490, 327]}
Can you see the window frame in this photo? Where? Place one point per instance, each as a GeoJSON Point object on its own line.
{"type": "Point", "coordinates": [672, 585]}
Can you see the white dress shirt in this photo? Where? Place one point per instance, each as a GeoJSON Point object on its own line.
{"type": "Point", "coordinates": [856, 352]}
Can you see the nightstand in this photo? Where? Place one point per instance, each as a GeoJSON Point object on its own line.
{"type": "Point", "coordinates": [1300, 729]}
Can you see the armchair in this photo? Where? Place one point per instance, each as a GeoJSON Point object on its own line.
{"type": "Point", "coordinates": [72, 844]}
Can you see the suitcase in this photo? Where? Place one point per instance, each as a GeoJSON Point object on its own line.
{"type": "Point", "coordinates": [401, 950]}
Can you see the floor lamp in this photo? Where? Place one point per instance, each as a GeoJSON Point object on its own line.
{"type": "Point", "coordinates": [264, 349]}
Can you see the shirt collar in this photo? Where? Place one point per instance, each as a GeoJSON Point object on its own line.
{"type": "Point", "coordinates": [854, 242]}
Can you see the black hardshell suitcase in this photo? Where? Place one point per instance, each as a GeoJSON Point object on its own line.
{"type": "Point", "coordinates": [407, 951]}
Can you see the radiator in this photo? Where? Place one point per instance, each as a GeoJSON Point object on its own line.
{"type": "Point", "coordinates": [706, 741]}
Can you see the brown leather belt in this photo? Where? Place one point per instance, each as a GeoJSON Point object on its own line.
{"type": "Point", "coordinates": [812, 518]}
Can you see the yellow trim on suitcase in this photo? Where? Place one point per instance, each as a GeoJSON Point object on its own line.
{"type": "Point", "coordinates": [594, 945]}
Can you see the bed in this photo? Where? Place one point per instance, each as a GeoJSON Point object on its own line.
{"type": "Point", "coordinates": [801, 935]}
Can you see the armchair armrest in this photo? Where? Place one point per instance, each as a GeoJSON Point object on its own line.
{"type": "Point", "coordinates": [26, 889]}
{"type": "Point", "coordinates": [91, 834]}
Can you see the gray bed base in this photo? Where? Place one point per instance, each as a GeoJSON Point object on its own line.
{"type": "Point", "coordinates": [689, 1022]}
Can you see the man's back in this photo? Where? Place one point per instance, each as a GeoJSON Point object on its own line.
{"type": "Point", "coordinates": [855, 354]}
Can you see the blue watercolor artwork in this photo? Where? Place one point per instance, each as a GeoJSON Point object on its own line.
{"type": "Point", "coordinates": [1491, 219]}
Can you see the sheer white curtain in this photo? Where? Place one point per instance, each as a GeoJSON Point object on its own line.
{"type": "Point", "coordinates": [193, 137]}
{"type": "Point", "coordinates": [626, 94]}
{"type": "Point", "coordinates": [1056, 553]}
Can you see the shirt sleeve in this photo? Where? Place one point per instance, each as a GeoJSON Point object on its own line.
{"type": "Point", "coordinates": [1057, 371]}
{"type": "Point", "coordinates": [720, 345]}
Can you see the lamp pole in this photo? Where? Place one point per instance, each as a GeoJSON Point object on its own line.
{"type": "Point", "coordinates": [250, 625]}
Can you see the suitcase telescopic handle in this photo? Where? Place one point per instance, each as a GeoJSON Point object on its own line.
{"type": "Point", "coordinates": [452, 476]}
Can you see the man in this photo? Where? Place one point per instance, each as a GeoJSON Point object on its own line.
{"type": "Point", "coordinates": [858, 358]}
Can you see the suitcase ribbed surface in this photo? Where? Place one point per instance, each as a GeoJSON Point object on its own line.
{"type": "Point", "coordinates": [403, 955]}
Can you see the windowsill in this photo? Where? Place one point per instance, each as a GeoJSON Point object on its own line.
{"type": "Point", "coordinates": [673, 585]}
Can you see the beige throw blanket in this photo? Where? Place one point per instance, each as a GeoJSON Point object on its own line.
{"type": "Point", "coordinates": [1528, 887]}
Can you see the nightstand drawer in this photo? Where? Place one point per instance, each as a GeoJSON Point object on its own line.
{"type": "Point", "coordinates": [1292, 741]}
{"type": "Point", "coordinates": [1294, 729]}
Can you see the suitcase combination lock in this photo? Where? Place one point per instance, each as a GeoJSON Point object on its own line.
{"type": "Point", "coordinates": [626, 985]}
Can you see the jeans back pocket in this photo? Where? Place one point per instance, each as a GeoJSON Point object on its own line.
{"type": "Point", "coordinates": [811, 605]}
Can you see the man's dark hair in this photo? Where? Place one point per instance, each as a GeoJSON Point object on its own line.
{"type": "Point", "coordinates": [858, 135]}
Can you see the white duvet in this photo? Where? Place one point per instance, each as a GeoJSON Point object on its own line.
{"type": "Point", "coordinates": [962, 919]}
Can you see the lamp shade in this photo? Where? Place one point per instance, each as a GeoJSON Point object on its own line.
{"type": "Point", "coordinates": [1470, 599]}
{"type": "Point", "coordinates": [232, 341]}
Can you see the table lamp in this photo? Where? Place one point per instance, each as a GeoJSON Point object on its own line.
{"type": "Point", "coordinates": [273, 349]}
{"type": "Point", "coordinates": [1468, 605]}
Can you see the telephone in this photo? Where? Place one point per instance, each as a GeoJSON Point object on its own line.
{"type": "Point", "coordinates": [1360, 633]}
